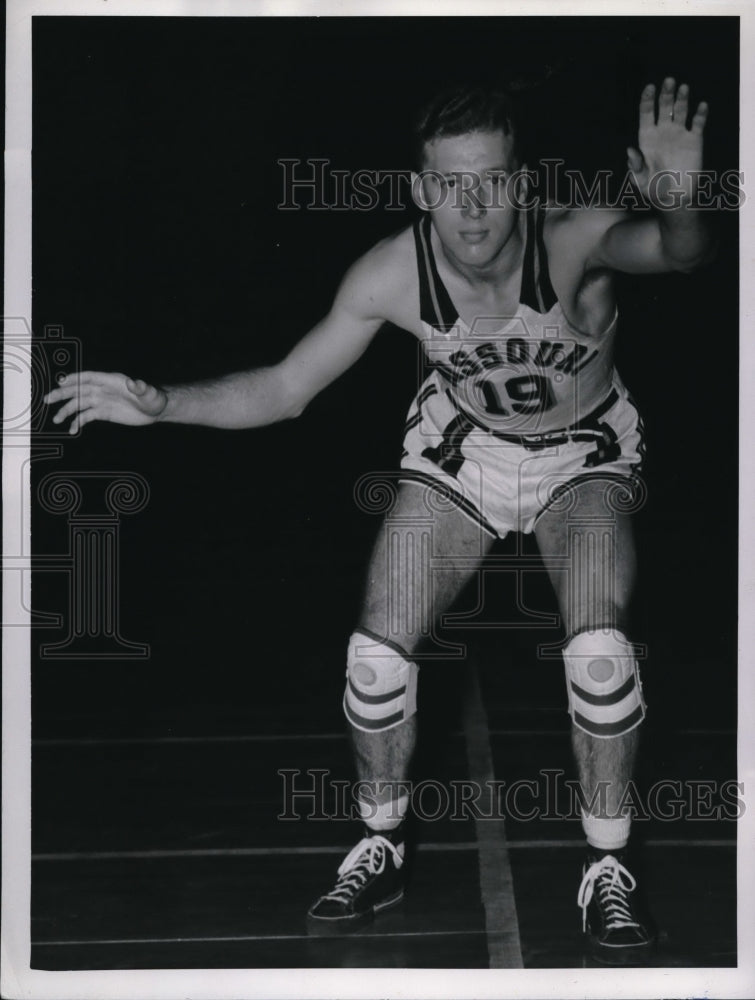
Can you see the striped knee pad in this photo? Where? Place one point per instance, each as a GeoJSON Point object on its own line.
{"type": "Point", "coordinates": [381, 685]}
{"type": "Point", "coordinates": [603, 682]}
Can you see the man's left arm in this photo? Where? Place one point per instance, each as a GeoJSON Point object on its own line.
{"type": "Point", "coordinates": [666, 171]}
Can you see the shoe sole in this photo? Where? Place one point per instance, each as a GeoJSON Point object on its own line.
{"type": "Point", "coordinates": [627, 954]}
{"type": "Point", "coordinates": [324, 926]}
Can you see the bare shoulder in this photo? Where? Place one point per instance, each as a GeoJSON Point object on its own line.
{"type": "Point", "coordinates": [382, 279]}
{"type": "Point", "coordinates": [579, 230]}
{"type": "Point", "coordinates": [584, 288]}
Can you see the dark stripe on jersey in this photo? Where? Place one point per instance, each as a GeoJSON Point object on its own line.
{"type": "Point", "coordinates": [448, 455]}
{"type": "Point", "coordinates": [545, 288]}
{"type": "Point", "coordinates": [537, 291]}
{"type": "Point", "coordinates": [599, 410]}
{"type": "Point", "coordinates": [426, 393]}
{"type": "Point", "coordinates": [641, 447]}
{"type": "Point", "coordinates": [435, 305]}
{"type": "Point", "coordinates": [528, 293]}
{"type": "Point", "coordinates": [451, 375]}
{"type": "Point", "coordinates": [412, 422]}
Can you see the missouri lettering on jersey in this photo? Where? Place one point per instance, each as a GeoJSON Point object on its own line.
{"type": "Point", "coordinates": [528, 373]}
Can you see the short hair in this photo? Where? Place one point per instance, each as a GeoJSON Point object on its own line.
{"type": "Point", "coordinates": [466, 109]}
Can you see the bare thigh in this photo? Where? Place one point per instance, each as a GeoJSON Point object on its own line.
{"type": "Point", "coordinates": [426, 552]}
{"type": "Point", "coordinates": [587, 546]}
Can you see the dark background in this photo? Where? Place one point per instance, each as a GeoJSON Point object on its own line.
{"type": "Point", "coordinates": [158, 246]}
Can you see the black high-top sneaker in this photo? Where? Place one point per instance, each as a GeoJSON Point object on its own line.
{"type": "Point", "coordinates": [370, 879]}
{"type": "Point", "coordinates": [617, 934]}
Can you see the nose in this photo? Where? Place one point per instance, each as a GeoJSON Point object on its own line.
{"type": "Point", "coordinates": [472, 205]}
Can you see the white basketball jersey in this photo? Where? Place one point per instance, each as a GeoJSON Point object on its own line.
{"type": "Point", "coordinates": [536, 372]}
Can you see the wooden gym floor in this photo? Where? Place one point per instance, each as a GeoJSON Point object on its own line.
{"type": "Point", "coordinates": [157, 843]}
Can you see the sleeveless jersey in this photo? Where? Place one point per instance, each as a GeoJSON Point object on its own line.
{"type": "Point", "coordinates": [536, 372]}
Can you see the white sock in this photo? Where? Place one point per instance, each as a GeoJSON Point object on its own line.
{"type": "Point", "coordinates": [606, 834]}
{"type": "Point", "coordinates": [384, 815]}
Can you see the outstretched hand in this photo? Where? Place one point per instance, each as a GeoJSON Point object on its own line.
{"type": "Point", "coordinates": [89, 396]}
{"type": "Point", "coordinates": [669, 155]}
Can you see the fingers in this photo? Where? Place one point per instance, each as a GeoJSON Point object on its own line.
{"type": "Point", "coordinates": [666, 100]}
{"type": "Point", "coordinates": [680, 104]}
{"type": "Point", "coordinates": [111, 396]}
{"type": "Point", "coordinates": [673, 107]}
{"type": "Point", "coordinates": [700, 118]}
{"type": "Point", "coordinates": [70, 408]}
{"type": "Point", "coordinates": [80, 420]}
{"type": "Point", "coordinates": [647, 106]}
{"type": "Point", "coordinates": [70, 385]}
{"type": "Point", "coordinates": [85, 406]}
{"type": "Point", "coordinates": [88, 396]}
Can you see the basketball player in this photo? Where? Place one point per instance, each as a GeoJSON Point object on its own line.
{"type": "Point", "coordinates": [513, 302]}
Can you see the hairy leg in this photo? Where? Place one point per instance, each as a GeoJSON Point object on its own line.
{"type": "Point", "coordinates": [604, 764]}
{"type": "Point", "coordinates": [588, 550]}
{"type": "Point", "coordinates": [404, 597]}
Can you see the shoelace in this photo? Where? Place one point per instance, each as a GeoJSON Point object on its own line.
{"type": "Point", "coordinates": [367, 858]}
{"type": "Point", "coordinates": [613, 884]}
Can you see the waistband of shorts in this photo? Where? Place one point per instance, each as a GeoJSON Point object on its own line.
{"type": "Point", "coordinates": [560, 435]}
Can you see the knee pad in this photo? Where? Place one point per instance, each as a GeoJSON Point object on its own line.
{"type": "Point", "coordinates": [603, 682]}
{"type": "Point", "coordinates": [381, 685]}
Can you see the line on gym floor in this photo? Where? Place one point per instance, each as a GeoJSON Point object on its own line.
{"type": "Point", "coordinates": [231, 852]}
{"type": "Point", "coordinates": [302, 737]}
{"type": "Point", "coordinates": [85, 741]}
{"type": "Point", "coordinates": [254, 937]}
{"type": "Point", "coordinates": [496, 883]}
{"type": "Point", "coordinates": [257, 852]}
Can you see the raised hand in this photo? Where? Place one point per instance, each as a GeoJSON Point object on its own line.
{"type": "Point", "coordinates": [89, 396]}
{"type": "Point", "coordinates": [664, 168]}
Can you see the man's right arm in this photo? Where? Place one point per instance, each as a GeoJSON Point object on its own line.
{"type": "Point", "coordinates": [251, 398]}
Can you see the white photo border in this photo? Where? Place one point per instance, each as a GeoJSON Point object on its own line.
{"type": "Point", "coordinates": [18, 979]}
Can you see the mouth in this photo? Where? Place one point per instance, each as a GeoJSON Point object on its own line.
{"type": "Point", "coordinates": [473, 236]}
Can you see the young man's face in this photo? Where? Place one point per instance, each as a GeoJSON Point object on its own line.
{"type": "Point", "coordinates": [464, 186]}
